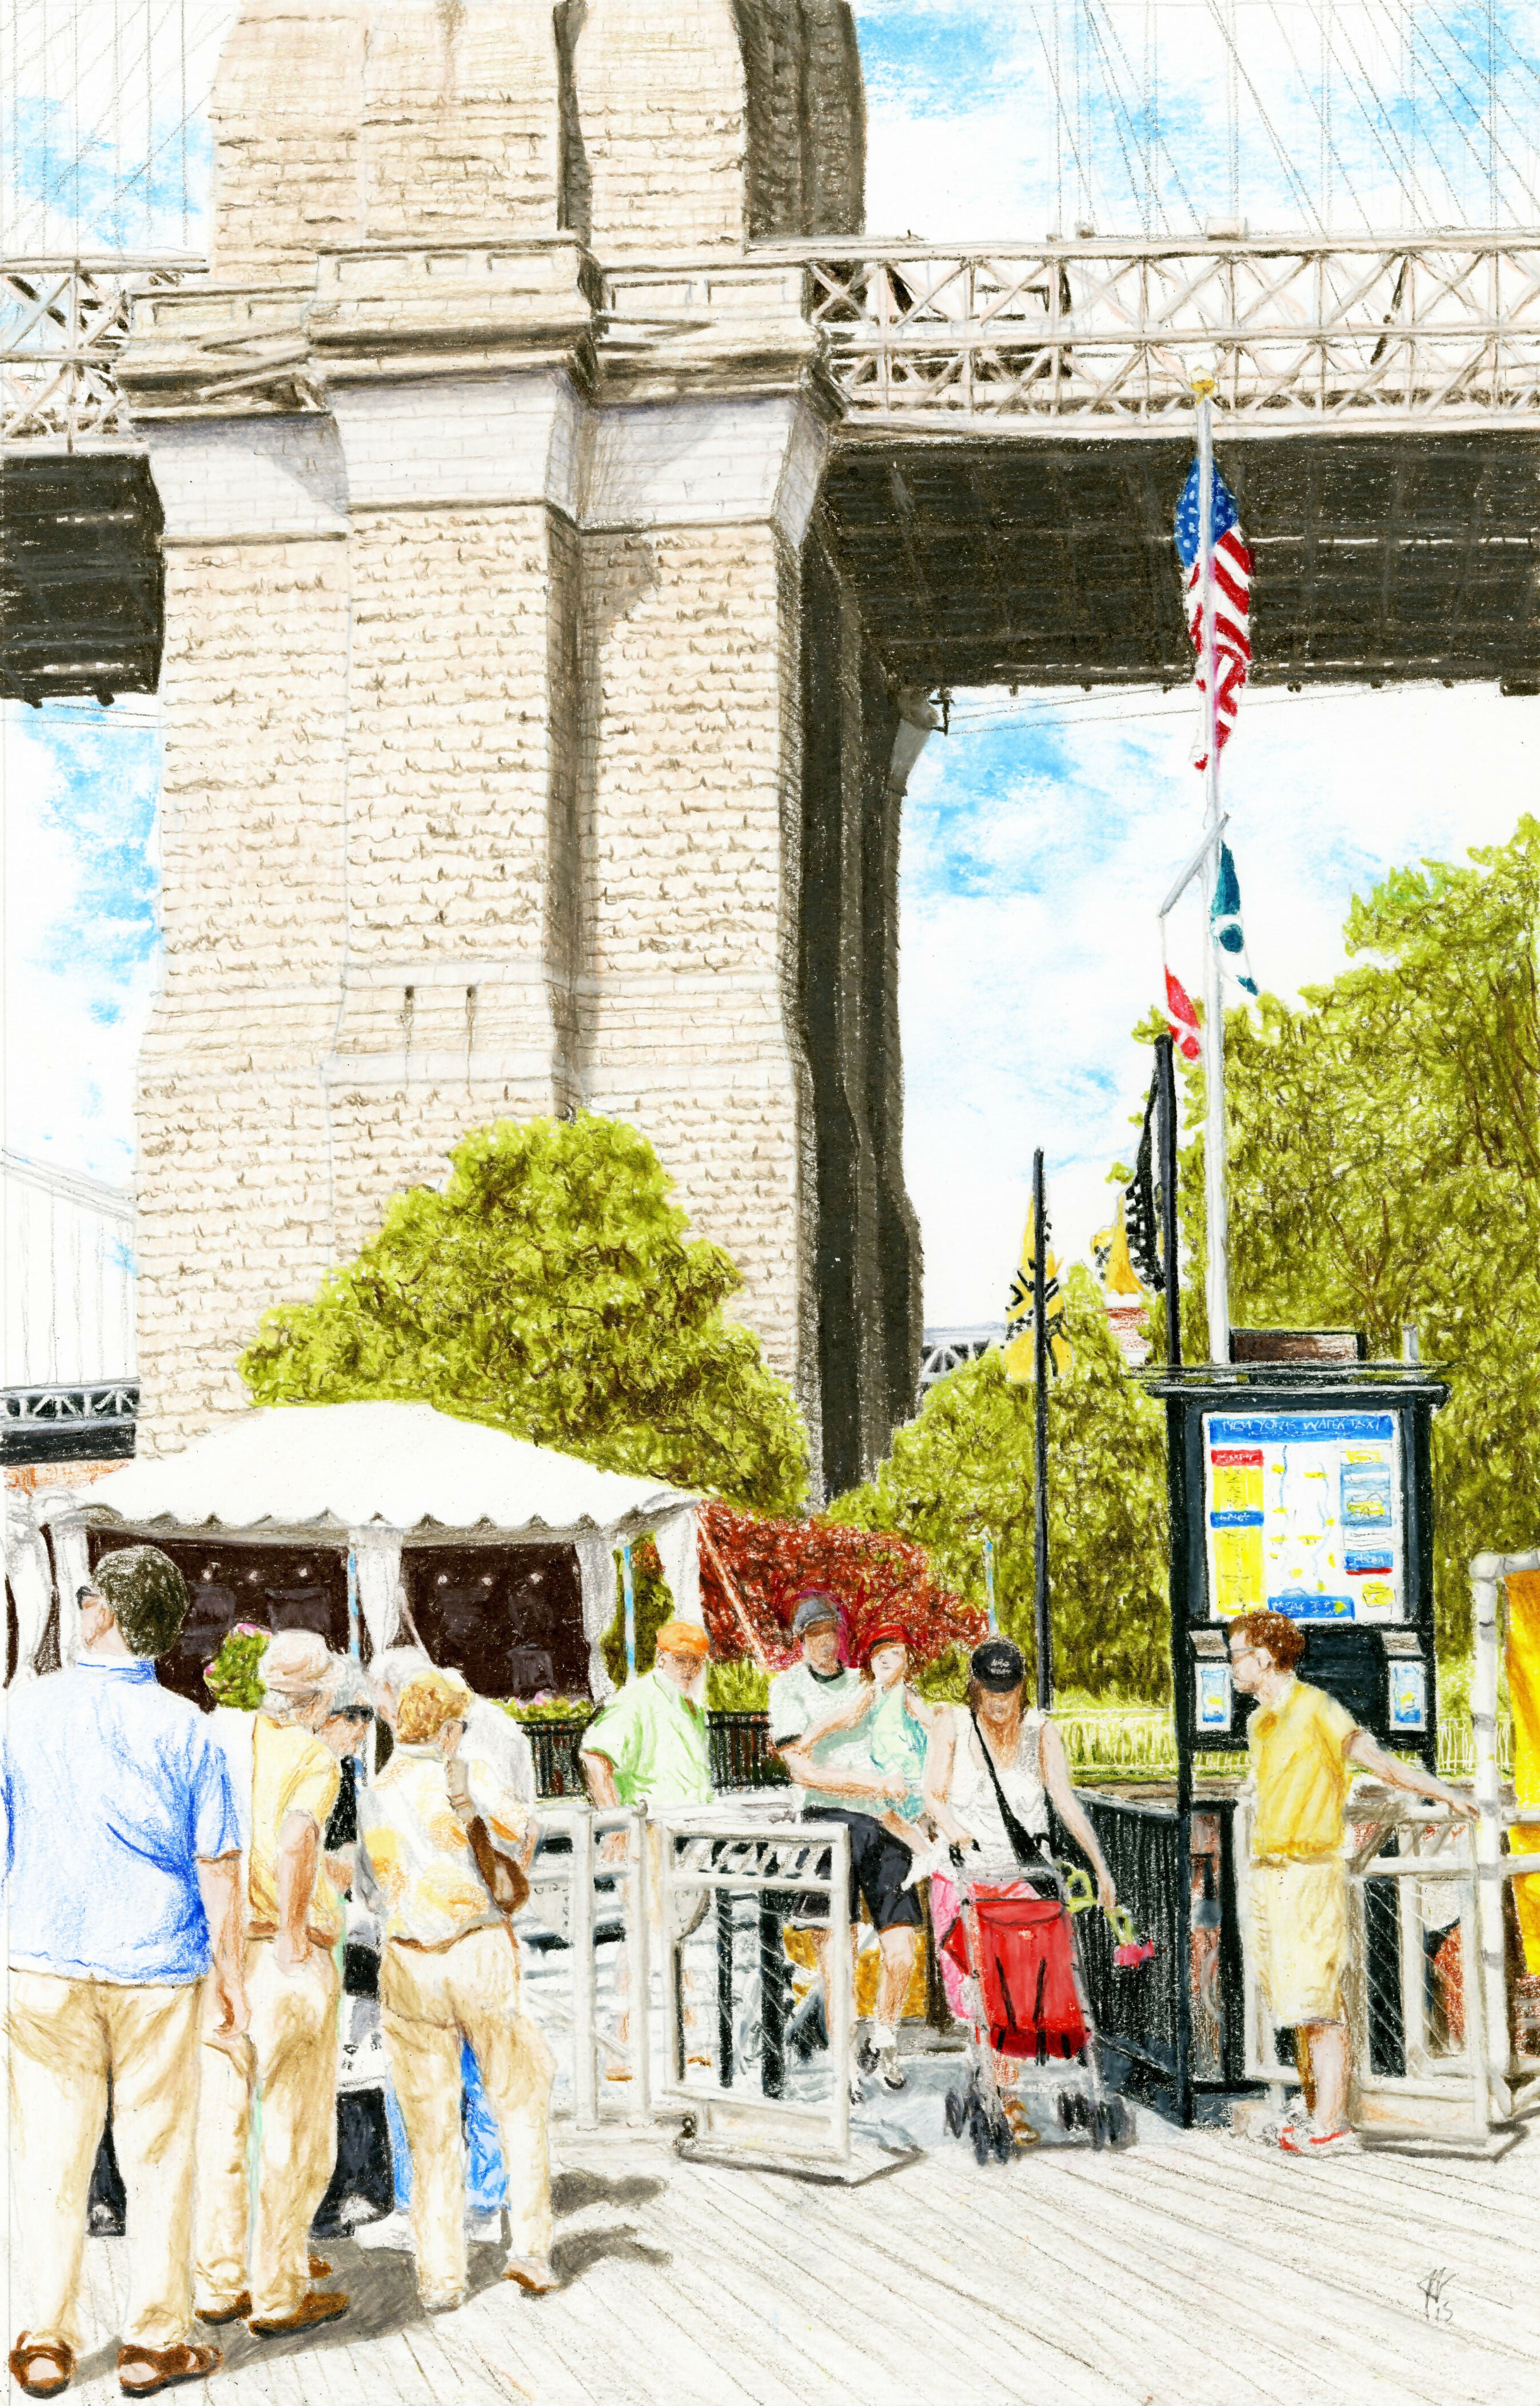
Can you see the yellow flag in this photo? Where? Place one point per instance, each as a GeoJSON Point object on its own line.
{"type": "Point", "coordinates": [1114, 1264]}
{"type": "Point", "coordinates": [1524, 1689]}
{"type": "Point", "coordinates": [1020, 1354]}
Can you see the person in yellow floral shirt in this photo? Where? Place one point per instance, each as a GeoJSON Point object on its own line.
{"type": "Point", "coordinates": [450, 1973]}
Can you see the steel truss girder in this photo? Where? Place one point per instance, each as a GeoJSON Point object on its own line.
{"type": "Point", "coordinates": [62, 324]}
{"type": "Point", "coordinates": [1110, 337]}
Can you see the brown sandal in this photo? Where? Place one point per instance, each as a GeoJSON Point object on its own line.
{"type": "Point", "coordinates": [237, 2312]}
{"type": "Point", "coordinates": [51, 2351]}
{"type": "Point", "coordinates": [168, 2367]}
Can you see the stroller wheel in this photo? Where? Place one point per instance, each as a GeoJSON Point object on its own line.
{"type": "Point", "coordinates": [1067, 2109]}
{"type": "Point", "coordinates": [1005, 2140]}
{"type": "Point", "coordinates": [979, 2132]}
{"type": "Point", "coordinates": [1122, 2129]}
{"type": "Point", "coordinates": [1103, 2123]}
{"type": "Point", "coordinates": [956, 2111]}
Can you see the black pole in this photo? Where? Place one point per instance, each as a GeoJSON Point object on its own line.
{"type": "Point", "coordinates": [1040, 1351]}
{"type": "Point", "coordinates": [1165, 1119]}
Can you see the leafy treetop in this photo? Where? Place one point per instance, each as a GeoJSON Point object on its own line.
{"type": "Point", "coordinates": [964, 1467]}
{"type": "Point", "coordinates": [552, 1290]}
{"type": "Point", "coordinates": [1384, 1171]}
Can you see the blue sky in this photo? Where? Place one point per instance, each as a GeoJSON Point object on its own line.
{"type": "Point", "coordinates": [1037, 838]}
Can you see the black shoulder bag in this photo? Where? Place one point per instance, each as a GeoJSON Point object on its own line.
{"type": "Point", "coordinates": [1031, 1852]}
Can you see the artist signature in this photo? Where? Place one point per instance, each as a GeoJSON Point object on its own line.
{"type": "Point", "coordinates": [1434, 2290]}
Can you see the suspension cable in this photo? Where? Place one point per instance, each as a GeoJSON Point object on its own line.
{"type": "Point", "coordinates": [1285, 162]}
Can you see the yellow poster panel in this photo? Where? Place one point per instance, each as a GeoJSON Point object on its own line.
{"type": "Point", "coordinates": [1524, 1689]}
{"type": "Point", "coordinates": [1235, 1486]}
{"type": "Point", "coordinates": [1237, 1571]}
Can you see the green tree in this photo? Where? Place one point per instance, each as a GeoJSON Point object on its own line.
{"type": "Point", "coordinates": [964, 1466]}
{"type": "Point", "coordinates": [1385, 1171]}
{"type": "Point", "coordinates": [552, 1291]}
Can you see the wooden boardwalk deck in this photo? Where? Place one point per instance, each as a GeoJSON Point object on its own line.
{"type": "Point", "coordinates": [1195, 2268]}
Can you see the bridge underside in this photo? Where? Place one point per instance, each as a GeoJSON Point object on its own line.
{"type": "Point", "coordinates": [81, 582]}
{"type": "Point", "coordinates": [1049, 562]}
{"type": "Point", "coordinates": [977, 560]}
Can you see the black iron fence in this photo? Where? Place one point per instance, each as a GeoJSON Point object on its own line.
{"type": "Point", "coordinates": [741, 1754]}
{"type": "Point", "coordinates": [1182, 2014]}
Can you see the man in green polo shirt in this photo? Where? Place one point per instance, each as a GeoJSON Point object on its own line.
{"type": "Point", "coordinates": [649, 1744]}
{"type": "Point", "coordinates": [650, 1747]}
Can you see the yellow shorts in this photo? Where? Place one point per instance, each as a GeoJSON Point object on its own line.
{"type": "Point", "coordinates": [1299, 1936]}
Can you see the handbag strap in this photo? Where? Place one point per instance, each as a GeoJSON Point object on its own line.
{"type": "Point", "coordinates": [489, 1861]}
{"type": "Point", "coordinates": [1027, 1849]}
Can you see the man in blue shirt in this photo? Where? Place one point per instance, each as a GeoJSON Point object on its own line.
{"type": "Point", "coordinates": [121, 1857]}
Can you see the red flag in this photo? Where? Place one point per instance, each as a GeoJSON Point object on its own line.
{"type": "Point", "coordinates": [1185, 1019]}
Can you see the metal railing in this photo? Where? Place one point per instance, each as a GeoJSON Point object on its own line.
{"type": "Point", "coordinates": [577, 1903]}
{"type": "Point", "coordinates": [1109, 335]}
{"type": "Point", "coordinates": [732, 2088]}
{"type": "Point", "coordinates": [1014, 337]}
{"type": "Point", "coordinates": [62, 326]}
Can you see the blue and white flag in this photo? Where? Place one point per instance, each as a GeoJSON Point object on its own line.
{"type": "Point", "coordinates": [1224, 917]}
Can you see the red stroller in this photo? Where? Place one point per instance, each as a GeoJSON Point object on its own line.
{"type": "Point", "coordinates": [1020, 1953]}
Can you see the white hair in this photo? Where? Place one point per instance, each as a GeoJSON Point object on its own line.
{"type": "Point", "coordinates": [393, 1669]}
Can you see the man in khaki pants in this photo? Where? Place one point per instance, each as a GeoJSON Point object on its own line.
{"type": "Point", "coordinates": [450, 1971]}
{"type": "Point", "coordinates": [121, 1857]}
{"type": "Point", "coordinates": [294, 1919]}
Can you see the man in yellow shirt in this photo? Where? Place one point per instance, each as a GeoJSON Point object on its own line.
{"type": "Point", "coordinates": [294, 1919]}
{"type": "Point", "coordinates": [1302, 1741]}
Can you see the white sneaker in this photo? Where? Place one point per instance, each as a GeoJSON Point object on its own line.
{"type": "Point", "coordinates": [394, 2232]}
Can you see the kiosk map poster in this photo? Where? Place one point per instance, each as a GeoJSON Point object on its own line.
{"type": "Point", "coordinates": [1303, 1514]}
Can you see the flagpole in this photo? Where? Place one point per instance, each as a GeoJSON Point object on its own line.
{"type": "Point", "coordinates": [1216, 1282]}
{"type": "Point", "coordinates": [1042, 1632]}
{"type": "Point", "coordinates": [1165, 1122]}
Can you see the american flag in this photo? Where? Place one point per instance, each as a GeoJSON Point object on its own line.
{"type": "Point", "coordinates": [1231, 602]}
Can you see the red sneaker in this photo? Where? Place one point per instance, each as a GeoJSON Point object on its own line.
{"type": "Point", "coordinates": [1296, 2139]}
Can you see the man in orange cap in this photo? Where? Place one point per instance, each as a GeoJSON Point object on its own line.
{"type": "Point", "coordinates": [649, 1744]}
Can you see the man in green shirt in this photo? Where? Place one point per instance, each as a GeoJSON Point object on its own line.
{"type": "Point", "coordinates": [649, 1744]}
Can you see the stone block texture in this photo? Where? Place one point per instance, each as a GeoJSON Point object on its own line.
{"type": "Point", "coordinates": [525, 753]}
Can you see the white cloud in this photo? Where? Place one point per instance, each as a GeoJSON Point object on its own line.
{"type": "Point", "coordinates": [74, 1002]}
{"type": "Point", "coordinates": [1017, 1003]}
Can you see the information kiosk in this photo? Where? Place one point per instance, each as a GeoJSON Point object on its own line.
{"type": "Point", "coordinates": [1304, 1489]}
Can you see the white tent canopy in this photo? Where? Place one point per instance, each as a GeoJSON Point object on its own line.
{"type": "Point", "coordinates": [376, 1475]}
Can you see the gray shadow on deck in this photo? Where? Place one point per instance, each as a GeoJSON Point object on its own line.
{"type": "Point", "coordinates": [572, 2192]}
{"type": "Point", "coordinates": [571, 2258]}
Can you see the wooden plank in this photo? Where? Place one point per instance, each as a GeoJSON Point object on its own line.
{"type": "Point", "coordinates": [826, 2229]}
{"type": "Point", "coordinates": [1092, 2270]}
{"type": "Point", "coordinates": [1089, 2249]}
{"type": "Point", "coordinates": [1368, 2329]}
{"type": "Point", "coordinates": [1337, 2195]}
{"type": "Point", "coordinates": [739, 2294]}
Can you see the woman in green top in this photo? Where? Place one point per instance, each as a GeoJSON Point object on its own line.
{"type": "Point", "coordinates": [896, 1723]}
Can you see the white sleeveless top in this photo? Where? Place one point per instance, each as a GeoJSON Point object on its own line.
{"type": "Point", "coordinates": [973, 1798]}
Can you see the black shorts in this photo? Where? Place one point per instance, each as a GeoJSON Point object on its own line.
{"type": "Point", "coordinates": [879, 1865]}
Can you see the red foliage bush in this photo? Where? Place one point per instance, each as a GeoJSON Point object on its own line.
{"type": "Point", "coordinates": [753, 1572]}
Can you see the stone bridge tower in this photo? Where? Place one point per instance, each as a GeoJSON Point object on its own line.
{"type": "Point", "coordinates": [524, 751]}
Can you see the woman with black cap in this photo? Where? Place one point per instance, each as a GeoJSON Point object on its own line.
{"type": "Point", "coordinates": [992, 1765]}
